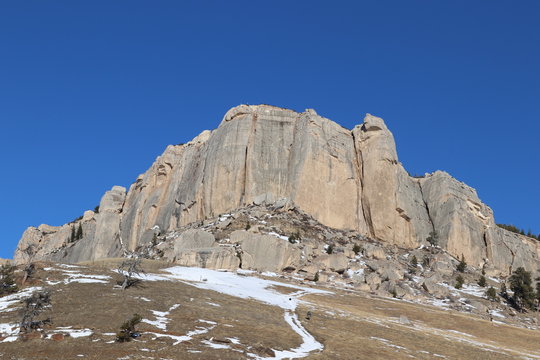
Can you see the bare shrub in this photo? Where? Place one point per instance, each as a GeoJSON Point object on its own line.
{"type": "Point", "coordinates": [130, 269]}
{"type": "Point", "coordinates": [33, 307]}
{"type": "Point", "coordinates": [127, 330]}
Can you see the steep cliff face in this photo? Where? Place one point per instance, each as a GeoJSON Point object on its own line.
{"type": "Point", "coordinates": [261, 154]}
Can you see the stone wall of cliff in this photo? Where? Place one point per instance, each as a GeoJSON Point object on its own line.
{"type": "Point", "coordinates": [345, 179]}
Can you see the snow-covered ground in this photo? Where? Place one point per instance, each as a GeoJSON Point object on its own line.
{"type": "Point", "coordinates": [179, 339]}
{"type": "Point", "coordinates": [161, 318]}
{"type": "Point", "coordinates": [497, 313]}
{"type": "Point", "coordinates": [68, 330]}
{"type": "Point", "coordinates": [7, 301]}
{"type": "Point", "coordinates": [249, 287]}
{"type": "Point", "coordinates": [474, 290]}
{"type": "Point", "coordinates": [76, 276]}
{"type": "Point", "coordinates": [9, 331]}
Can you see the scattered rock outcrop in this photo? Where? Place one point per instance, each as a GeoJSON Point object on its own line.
{"type": "Point", "coordinates": [265, 155]}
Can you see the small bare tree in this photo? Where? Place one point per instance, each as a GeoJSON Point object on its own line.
{"type": "Point", "coordinates": [130, 269]}
{"type": "Point", "coordinates": [33, 307]}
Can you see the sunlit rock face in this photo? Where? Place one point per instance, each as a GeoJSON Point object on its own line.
{"type": "Point", "coordinates": [346, 179]}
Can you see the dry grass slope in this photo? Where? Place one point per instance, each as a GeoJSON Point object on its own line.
{"type": "Point", "coordinates": [350, 325]}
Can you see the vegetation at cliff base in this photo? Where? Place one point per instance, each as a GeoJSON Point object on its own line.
{"type": "Point", "coordinates": [433, 238]}
{"type": "Point", "coordinates": [521, 284]}
{"type": "Point", "coordinates": [462, 266]}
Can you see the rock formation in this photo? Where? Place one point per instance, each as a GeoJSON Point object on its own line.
{"type": "Point", "coordinates": [264, 155]}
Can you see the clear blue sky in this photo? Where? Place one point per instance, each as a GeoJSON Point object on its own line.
{"type": "Point", "coordinates": [92, 91]}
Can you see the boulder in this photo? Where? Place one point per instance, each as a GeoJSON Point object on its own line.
{"type": "Point", "coordinates": [443, 267]}
{"type": "Point", "coordinates": [373, 279]}
{"type": "Point", "coordinates": [268, 253]}
{"type": "Point", "coordinates": [432, 286]}
{"type": "Point", "coordinates": [309, 271]}
{"type": "Point", "coordinates": [323, 276]}
{"type": "Point", "coordinates": [389, 286]}
{"type": "Point", "coordinates": [210, 258]}
{"type": "Point", "coordinates": [356, 275]}
{"type": "Point", "coordinates": [479, 306]}
{"type": "Point", "coordinates": [404, 291]}
{"type": "Point", "coordinates": [386, 269]}
{"type": "Point", "coordinates": [373, 251]}
{"type": "Point", "coordinates": [333, 262]}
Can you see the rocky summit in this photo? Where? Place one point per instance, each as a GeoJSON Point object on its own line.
{"type": "Point", "coordinates": [266, 155]}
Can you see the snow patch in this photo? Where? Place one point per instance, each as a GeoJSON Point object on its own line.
{"type": "Point", "coordinates": [68, 266]}
{"type": "Point", "coordinates": [161, 318]}
{"type": "Point", "coordinates": [248, 287]}
{"type": "Point", "coordinates": [74, 333]}
{"type": "Point", "coordinates": [497, 313]}
{"type": "Point", "coordinates": [9, 300]}
{"type": "Point", "coordinates": [282, 237]}
{"type": "Point", "coordinates": [235, 341]}
{"type": "Point", "coordinates": [76, 276]}
{"type": "Point", "coordinates": [188, 336]}
{"type": "Point", "coordinates": [9, 331]}
{"type": "Point", "coordinates": [213, 345]}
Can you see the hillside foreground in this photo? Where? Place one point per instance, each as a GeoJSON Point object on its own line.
{"type": "Point", "coordinates": [191, 313]}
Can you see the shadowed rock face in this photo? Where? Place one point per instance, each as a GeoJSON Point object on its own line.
{"type": "Point", "coordinates": [263, 154]}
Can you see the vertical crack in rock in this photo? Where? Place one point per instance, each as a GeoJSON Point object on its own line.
{"type": "Point", "coordinates": [364, 202]}
{"type": "Point", "coordinates": [290, 188]}
{"type": "Point", "coordinates": [246, 157]}
{"type": "Point", "coordinates": [359, 187]}
{"type": "Point", "coordinates": [487, 244]}
{"type": "Point", "coordinates": [510, 268]}
{"type": "Point", "coordinates": [199, 194]}
{"type": "Point", "coordinates": [426, 205]}
{"type": "Point", "coordinates": [243, 195]}
{"type": "Point", "coordinates": [122, 246]}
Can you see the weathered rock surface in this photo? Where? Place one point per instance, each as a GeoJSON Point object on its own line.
{"type": "Point", "coordinates": [392, 201]}
{"type": "Point", "coordinates": [334, 262]}
{"type": "Point", "coordinates": [374, 252]}
{"type": "Point", "coordinates": [467, 227]}
{"type": "Point", "coordinates": [432, 286]}
{"type": "Point", "coordinates": [211, 258]}
{"type": "Point", "coordinates": [268, 155]}
{"type": "Point", "coordinates": [268, 253]}
{"type": "Point", "coordinates": [194, 239]}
